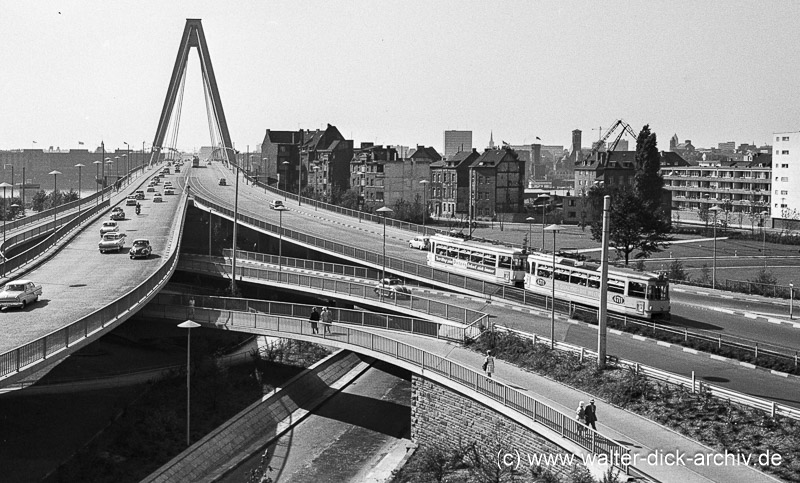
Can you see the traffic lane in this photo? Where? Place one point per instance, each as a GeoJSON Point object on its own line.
{"type": "Point", "coordinates": [742, 302]}
{"type": "Point", "coordinates": [347, 433]}
{"type": "Point", "coordinates": [79, 280]}
{"type": "Point", "coordinates": [708, 317]}
{"type": "Point", "coordinates": [730, 375]}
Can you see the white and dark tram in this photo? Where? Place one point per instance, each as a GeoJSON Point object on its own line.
{"type": "Point", "coordinates": [640, 294]}
{"type": "Point", "coordinates": [493, 263]}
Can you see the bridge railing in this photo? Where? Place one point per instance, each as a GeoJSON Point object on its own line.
{"type": "Point", "coordinates": [461, 315]}
{"type": "Point", "coordinates": [179, 303]}
{"type": "Point", "coordinates": [540, 412]}
{"type": "Point", "coordinates": [16, 360]}
{"type": "Point", "coordinates": [303, 264]}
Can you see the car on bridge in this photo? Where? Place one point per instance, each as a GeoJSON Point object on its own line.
{"type": "Point", "coordinates": [112, 242]}
{"type": "Point", "coordinates": [140, 249]}
{"type": "Point", "coordinates": [108, 227]}
{"type": "Point", "coordinates": [139, 194]}
{"type": "Point", "coordinates": [157, 198]}
{"type": "Point", "coordinates": [169, 191]}
{"type": "Point", "coordinates": [420, 242]}
{"type": "Point", "coordinates": [20, 293]}
{"type": "Point", "coordinates": [151, 189]}
{"type": "Point", "coordinates": [223, 182]}
{"type": "Point", "coordinates": [117, 214]}
{"type": "Point", "coordinates": [392, 287]}
{"type": "Point", "coordinates": [277, 205]}
{"type": "Point", "coordinates": [130, 200]}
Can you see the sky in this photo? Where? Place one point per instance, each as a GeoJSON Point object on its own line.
{"type": "Point", "coordinates": [402, 72]}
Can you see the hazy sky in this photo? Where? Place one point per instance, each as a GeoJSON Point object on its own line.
{"type": "Point", "coordinates": [402, 72]}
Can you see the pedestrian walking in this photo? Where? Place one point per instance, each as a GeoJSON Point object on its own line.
{"type": "Point", "coordinates": [191, 307]}
{"type": "Point", "coordinates": [314, 319]}
{"type": "Point", "coordinates": [488, 364]}
{"type": "Point", "coordinates": [326, 319]}
{"type": "Point", "coordinates": [580, 413]}
{"type": "Point", "coordinates": [590, 415]}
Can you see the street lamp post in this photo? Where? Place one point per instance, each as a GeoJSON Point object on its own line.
{"type": "Point", "coordinates": [543, 198]}
{"type": "Point", "coordinates": [316, 194]}
{"type": "Point", "coordinates": [188, 325]}
{"type": "Point", "coordinates": [116, 161]}
{"type": "Point", "coordinates": [285, 165]}
{"type": "Point", "coordinates": [12, 178]}
{"type": "Point", "coordinates": [5, 211]}
{"type": "Point", "coordinates": [764, 238]}
{"type": "Point", "coordinates": [530, 221]}
{"type": "Point", "coordinates": [109, 163]}
{"type": "Point", "coordinates": [280, 237]}
{"type": "Point", "coordinates": [128, 163]}
{"type": "Point", "coordinates": [55, 195]}
{"type": "Point", "coordinates": [264, 170]}
{"type": "Point", "coordinates": [791, 300]}
{"type": "Point", "coordinates": [384, 211]}
{"type": "Point", "coordinates": [96, 177]}
{"type": "Point", "coordinates": [80, 175]}
{"type": "Point", "coordinates": [424, 184]}
{"type": "Point", "coordinates": [715, 209]}
{"type": "Point", "coordinates": [555, 229]}
{"type": "Point", "coordinates": [125, 166]}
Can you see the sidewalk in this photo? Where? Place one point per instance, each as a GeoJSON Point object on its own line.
{"type": "Point", "coordinates": [643, 436]}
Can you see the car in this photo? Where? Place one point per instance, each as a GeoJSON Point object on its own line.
{"type": "Point", "coordinates": [169, 191]}
{"type": "Point", "coordinates": [392, 287]}
{"type": "Point", "coordinates": [117, 214]}
{"type": "Point", "coordinates": [139, 194]}
{"type": "Point", "coordinates": [157, 198]}
{"type": "Point", "coordinates": [165, 171]}
{"type": "Point", "coordinates": [420, 242]}
{"type": "Point", "coordinates": [140, 249]}
{"type": "Point", "coordinates": [177, 169]}
{"type": "Point", "coordinates": [108, 227]}
{"type": "Point", "coordinates": [112, 242]}
{"type": "Point", "coordinates": [130, 201]}
{"type": "Point", "coordinates": [19, 293]}
{"type": "Point", "coordinates": [223, 182]}
{"type": "Point", "coordinates": [277, 205]}
{"type": "Point", "coordinates": [151, 189]}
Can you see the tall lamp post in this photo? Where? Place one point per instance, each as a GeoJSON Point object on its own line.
{"type": "Point", "coordinates": [125, 166]}
{"type": "Point", "coordinates": [109, 163]}
{"type": "Point", "coordinates": [530, 221]}
{"type": "Point", "coordinates": [316, 194]}
{"type": "Point", "coordinates": [555, 229]}
{"type": "Point", "coordinates": [264, 170]}
{"type": "Point", "coordinates": [97, 177]}
{"type": "Point", "coordinates": [116, 161]}
{"type": "Point", "coordinates": [5, 211]}
{"type": "Point", "coordinates": [543, 198]}
{"type": "Point", "coordinates": [79, 166]}
{"type": "Point", "coordinates": [764, 238]}
{"type": "Point", "coordinates": [424, 184]}
{"type": "Point", "coordinates": [280, 209]}
{"type": "Point", "coordinates": [384, 211]}
{"type": "Point", "coordinates": [285, 165]}
{"type": "Point", "coordinates": [12, 178]}
{"type": "Point", "coordinates": [188, 325]}
{"type": "Point", "coordinates": [791, 300]}
{"type": "Point", "coordinates": [128, 161]}
{"type": "Point", "coordinates": [55, 194]}
{"type": "Point", "coordinates": [716, 210]}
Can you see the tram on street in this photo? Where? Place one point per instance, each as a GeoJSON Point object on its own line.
{"type": "Point", "coordinates": [493, 263]}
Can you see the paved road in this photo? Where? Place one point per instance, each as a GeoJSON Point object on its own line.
{"type": "Point", "coordinates": [345, 438]}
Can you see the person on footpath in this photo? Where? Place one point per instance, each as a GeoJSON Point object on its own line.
{"type": "Point", "coordinates": [590, 415]}
{"type": "Point", "coordinates": [191, 307]}
{"type": "Point", "coordinates": [326, 319]}
{"type": "Point", "coordinates": [488, 364]}
{"type": "Point", "coordinates": [314, 319]}
{"type": "Point", "coordinates": [580, 413]}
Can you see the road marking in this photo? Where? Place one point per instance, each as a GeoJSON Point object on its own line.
{"type": "Point", "coordinates": [747, 364]}
{"type": "Point", "coordinates": [615, 331]}
{"type": "Point", "coordinates": [719, 358]}
{"type": "Point", "coordinates": [778, 373]}
{"type": "Point", "coordinates": [638, 337]}
{"type": "Point", "coordinates": [751, 316]}
{"type": "Point", "coordinates": [665, 344]}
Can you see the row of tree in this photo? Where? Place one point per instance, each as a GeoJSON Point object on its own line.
{"type": "Point", "coordinates": [40, 201]}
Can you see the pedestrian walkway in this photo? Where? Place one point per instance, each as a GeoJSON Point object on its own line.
{"type": "Point", "coordinates": [645, 438]}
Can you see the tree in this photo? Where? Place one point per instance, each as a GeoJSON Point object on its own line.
{"type": "Point", "coordinates": [349, 199]}
{"type": "Point", "coordinates": [676, 271]}
{"type": "Point", "coordinates": [648, 182]}
{"type": "Point", "coordinates": [633, 226]}
{"type": "Point", "coordinates": [703, 213]}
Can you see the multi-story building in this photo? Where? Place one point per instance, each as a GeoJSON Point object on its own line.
{"type": "Point", "coordinates": [736, 187]}
{"type": "Point", "coordinates": [368, 174]}
{"type": "Point", "coordinates": [449, 184]}
{"type": "Point", "coordinates": [785, 178]}
{"type": "Point", "coordinates": [455, 141]}
{"type": "Point", "coordinates": [727, 147]}
{"type": "Point", "coordinates": [497, 182]}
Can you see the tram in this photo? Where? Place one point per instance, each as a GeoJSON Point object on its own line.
{"type": "Point", "coordinates": [633, 293]}
{"type": "Point", "coordinates": [493, 263]}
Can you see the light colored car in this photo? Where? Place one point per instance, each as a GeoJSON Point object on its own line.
{"type": "Point", "coordinates": [140, 249]}
{"type": "Point", "coordinates": [277, 205]}
{"type": "Point", "coordinates": [112, 242]}
{"type": "Point", "coordinates": [117, 214]}
{"type": "Point", "coordinates": [392, 287]}
{"type": "Point", "coordinates": [157, 198]}
{"type": "Point", "coordinates": [130, 200]}
{"type": "Point", "coordinates": [151, 189]}
{"type": "Point", "coordinates": [420, 242]}
{"type": "Point", "coordinates": [108, 227]}
{"type": "Point", "coordinates": [139, 194]}
{"type": "Point", "coordinates": [169, 191]}
{"type": "Point", "coordinates": [19, 293]}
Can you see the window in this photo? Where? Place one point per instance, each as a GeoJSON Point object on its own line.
{"type": "Point", "coordinates": [784, 178]}
{"type": "Point", "coordinates": [785, 138]}
{"type": "Point", "coordinates": [784, 192]}
{"type": "Point", "coordinates": [784, 166]}
{"type": "Point", "coordinates": [637, 289]}
{"type": "Point", "coordinates": [543, 271]}
{"type": "Point", "coordinates": [785, 151]}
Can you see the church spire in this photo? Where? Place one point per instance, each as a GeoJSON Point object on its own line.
{"type": "Point", "coordinates": [491, 140]}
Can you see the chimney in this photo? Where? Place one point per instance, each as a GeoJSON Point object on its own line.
{"type": "Point", "coordinates": [576, 143]}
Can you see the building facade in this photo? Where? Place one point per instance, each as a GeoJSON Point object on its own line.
{"type": "Point", "coordinates": [456, 141]}
{"type": "Point", "coordinates": [497, 182]}
{"type": "Point", "coordinates": [785, 177]}
{"type": "Point", "coordinates": [449, 185]}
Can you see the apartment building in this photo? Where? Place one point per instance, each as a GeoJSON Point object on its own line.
{"type": "Point", "coordinates": [785, 177]}
{"type": "Point", "coordinates": [449, 184]}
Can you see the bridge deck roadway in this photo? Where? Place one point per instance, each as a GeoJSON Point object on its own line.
{"type": "Point", "coordinates": [369, 236]}
{"type": "Point", "coordinates": [79, 280]}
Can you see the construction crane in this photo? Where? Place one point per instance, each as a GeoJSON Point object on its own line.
{"type": "Point", "coordinates": [626, 128]}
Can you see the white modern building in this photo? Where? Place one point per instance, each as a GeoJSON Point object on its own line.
{"type": "Point", "coordinates": [786, 177]}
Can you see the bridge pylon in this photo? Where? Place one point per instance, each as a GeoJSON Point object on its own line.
{"type": "Point", "coordinates": [193, 37]}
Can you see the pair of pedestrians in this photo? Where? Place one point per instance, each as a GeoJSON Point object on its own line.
{"type": "Point", "coordinates": [325, 317]}
{"type": "Point", "coordinates": [587, 414]}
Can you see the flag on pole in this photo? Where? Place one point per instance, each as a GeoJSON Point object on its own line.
{"type": "Point", "coordinates": [80, 143]}
{"type": "Point", "coordinates": [538, 138]}
{"type": "Point", "coordinates": [34, 142]}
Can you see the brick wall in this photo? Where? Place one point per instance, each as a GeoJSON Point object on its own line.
{"type": "Point", "coordinates": [447, 420]}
